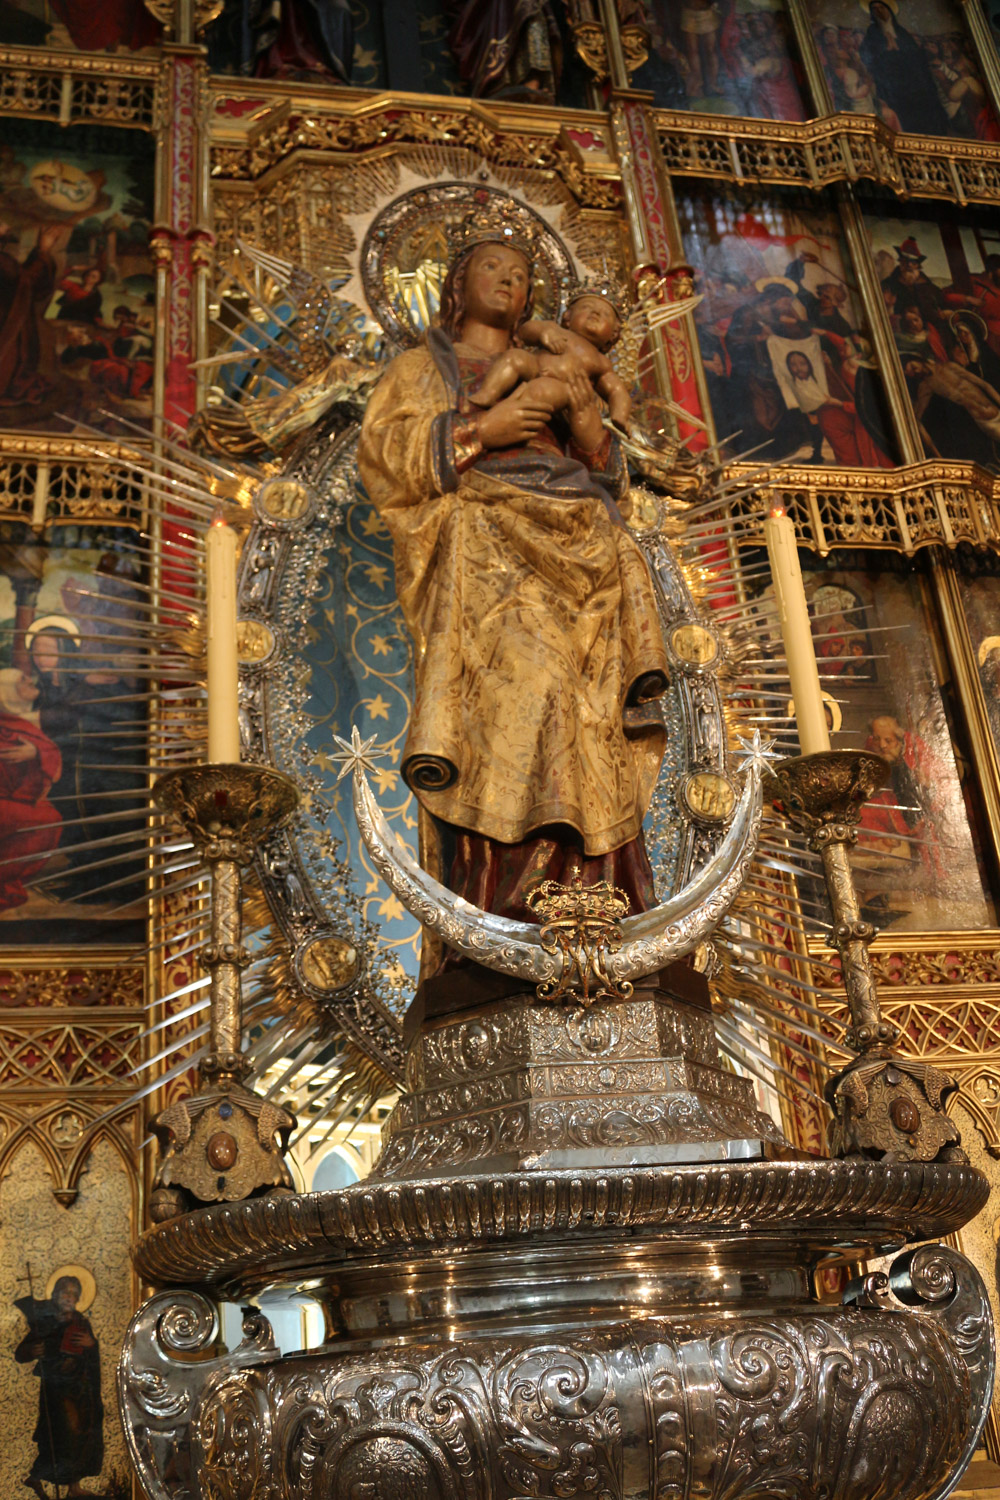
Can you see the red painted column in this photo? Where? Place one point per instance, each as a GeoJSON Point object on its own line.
{"type": "Point", "coordinates": [181, 239]}
{"type": "Point", "coordinates": [660, 256]}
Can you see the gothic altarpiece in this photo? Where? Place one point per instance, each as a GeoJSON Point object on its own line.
{"type": "Point", "coordinates": [129, 180]}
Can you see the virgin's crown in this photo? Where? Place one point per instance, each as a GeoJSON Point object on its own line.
{"type": "Point", "coordinates": [493, 220]}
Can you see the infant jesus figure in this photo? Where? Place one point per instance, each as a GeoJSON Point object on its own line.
{"type": "Point", "coordinates": [591, 325]}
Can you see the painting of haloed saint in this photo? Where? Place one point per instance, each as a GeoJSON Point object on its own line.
{"type": "Point", "coordinates": [787, 354]}
{"type": "Point", "coordinates": [910, 62]}
{"type": "Point", "coordinates": [112, 26]}
{"type": "Point", "coordinates": [71, 739]}
{"type": "Point", "coordinates": [77, 293]}
{"type": "Point", "coordinates": [940, 281]}
{"type": "Point", "coordinates": [729, 57]}
{"type": "Point", "coordinates": [65, 1302]}
{"type": "Point", "coordinates": [916, 864]}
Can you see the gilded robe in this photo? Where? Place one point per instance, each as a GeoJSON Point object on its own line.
{"type": "Point", "coordinates": [533, 617]}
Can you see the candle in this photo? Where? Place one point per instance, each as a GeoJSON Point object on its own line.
{"type": "Point", "coordinates": [796, 632]}
{"type": "Point", "coordinates": [223, 665]}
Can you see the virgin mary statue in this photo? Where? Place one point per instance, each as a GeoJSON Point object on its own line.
{"type": "Point", "coordinates": [533, 743]}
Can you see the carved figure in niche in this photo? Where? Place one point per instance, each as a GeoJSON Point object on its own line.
{"type": "Point", "coordinates": [60, 1342]}
{"type": "Point", "coordinates": [531, 606]}
{"type": "Point", "coordinates": [299, 39]}
{"type": "Point", "coordinates": [591, 325]}
{"type": "Point", "coordinates": [507, 49]}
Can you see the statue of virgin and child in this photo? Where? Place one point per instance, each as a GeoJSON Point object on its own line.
{"type": "Point", "coordinates": [534, 744]}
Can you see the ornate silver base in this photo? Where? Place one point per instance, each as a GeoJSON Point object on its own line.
{"type": "Point", "coordinates": [628, 1334]}
{"type": "Point", "coordinates": [506, 1319]}
{"type": "Point", "coordinates": [518, 1085]}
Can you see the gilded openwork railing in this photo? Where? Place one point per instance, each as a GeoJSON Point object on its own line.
{"type": "Point", "coordinates": [837, 148]}
{"type": "Point", "coordinates": [75, 88]}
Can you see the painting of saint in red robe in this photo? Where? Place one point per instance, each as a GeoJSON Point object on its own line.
{"type": "Point", "coordinates": [29, 766]}
{"type": "Point", "coordinates": [72, 721]}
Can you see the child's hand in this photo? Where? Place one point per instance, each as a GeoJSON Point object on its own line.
{"type": "Point", "coordinates": [554, 338]}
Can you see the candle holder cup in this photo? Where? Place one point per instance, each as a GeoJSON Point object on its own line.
{"type": "Point", "coordinates": [222, 1143]}
{"type": "Point", "coordinates": [885, 1105]}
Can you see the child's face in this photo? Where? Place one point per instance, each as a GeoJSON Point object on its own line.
{"type": "Point", "coordinates": [595, 320]}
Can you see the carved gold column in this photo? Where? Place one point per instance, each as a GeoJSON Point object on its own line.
{"type": "Point", "coordinates": [658, 252]}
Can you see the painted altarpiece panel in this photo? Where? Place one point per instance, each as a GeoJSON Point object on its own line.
{"type": "Point", "coordinates": [121, 26]}
{"type": "Point", "coordinates": [77, 292]}
{"type": "Point", "coordinates": [917, 863]}
{"type": "Point", "coordinates": [940, 282]}
{"type": "Point", "coordinates": [72, 727]}
{"type": "Point", "coordinates": [979, 591]}
{"type": "Point", "coordinates": [58, 1429]}
{"type": "Point", "coordinates": [784, 341]}
{"type": "Point", "coordinates": [911, 63]}
{"type": "Point", "coordinates": [727, 57]}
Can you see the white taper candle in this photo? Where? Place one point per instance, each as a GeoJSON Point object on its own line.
{"type": "Point", "coordinates": [223, 663]}
{"type": "Point", "coordinates": [796, 632]}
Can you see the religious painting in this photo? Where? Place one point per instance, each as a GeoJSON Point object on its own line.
{"type": "Point", "coordinates": [72, 726]}
{"type": "Point", "coordinates": [915, 865]}
{"type": "Point", "coordinates": [77, 292]}
{"type": "Point", "coordinates": [909, 62]}
{"type": "Point", "coordinates": [112, 26]}
{"type": "Point", "coordinates": [726, 57]}
{"type": "Point", "coordinates": [785, 347]}
{"type": "Point", "coordinates": [979, 591]}
{"type": "Point", "coordinates": [940, 279]}
{"type": "Point", "coordinates": [63, 1315]}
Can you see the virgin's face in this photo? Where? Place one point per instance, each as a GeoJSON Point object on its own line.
{"type": "Point", "coordinates": [496, 286]}
{"type": "Point", "coordinates": [44, 653]}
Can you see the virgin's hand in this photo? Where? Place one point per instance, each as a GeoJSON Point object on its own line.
{"type": "Point", "coordinates": [584, 414]}
{"type": "Point", "coordinates": [512, 422]}
{"type": "Point", "coordinates": [23, 750]}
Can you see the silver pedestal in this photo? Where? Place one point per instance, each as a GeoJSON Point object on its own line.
{"type": "Point", "coordinates": [507, 1327]}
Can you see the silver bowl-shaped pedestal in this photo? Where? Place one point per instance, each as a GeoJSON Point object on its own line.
{"type": "Point", "coordinates": [622, 1334]}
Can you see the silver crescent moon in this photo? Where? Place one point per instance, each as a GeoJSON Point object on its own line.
{"type": "Point", "coordinates": [650, 940]}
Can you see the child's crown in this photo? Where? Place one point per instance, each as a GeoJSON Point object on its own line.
{"type": "Point", "coordinates": [609, 288]}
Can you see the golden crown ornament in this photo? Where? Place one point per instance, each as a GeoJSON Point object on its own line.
{"type": "Point", "coordinates": [609, 288]}
{"type": "Point", "coordinates": [494, 220]}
